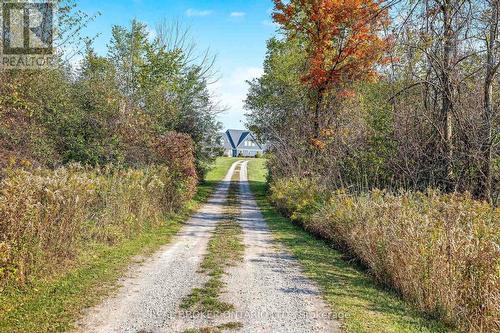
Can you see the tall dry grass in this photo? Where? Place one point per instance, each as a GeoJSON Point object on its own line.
{"type": "Point", "coordinates": [48, 216]}
{"type": "Point", "coordinates": [441, 252]}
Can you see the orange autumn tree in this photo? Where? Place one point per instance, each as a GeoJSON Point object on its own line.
{"type": "Point", "coordinates": [343, 40]}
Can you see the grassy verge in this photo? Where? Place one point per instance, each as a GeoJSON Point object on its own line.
{"type": "Point", "coordinates": [53, 305]}
{"type": "Point", "coordinates": [346, 288]}
{"type": "Point", "coordinates": [224, 248]}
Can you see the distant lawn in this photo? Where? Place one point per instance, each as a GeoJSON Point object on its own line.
{"type": "Point", "coordinates": [347, 289]}
{"type": "Point", "coordinates": [54, 304]}
{"type": "Point", "coordinates": [216, 174]}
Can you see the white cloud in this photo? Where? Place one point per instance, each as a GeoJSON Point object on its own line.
{"type": "Point", "coordinates": [231, 91]}
{"type": "Point", "coordinates": [194, 12]}
{"type": "Point", "coordinates": [238, 14]}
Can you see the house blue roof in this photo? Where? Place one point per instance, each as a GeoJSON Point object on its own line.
{"type": "Point", "coordinates": [237, 137]}
{"type": "Point", "coordinates": [243, 137]}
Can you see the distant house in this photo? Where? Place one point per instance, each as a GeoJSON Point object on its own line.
{"type": "Point", "coordinates": [241, 143]}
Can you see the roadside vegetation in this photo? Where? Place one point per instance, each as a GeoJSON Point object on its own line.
{"type": "Point", "coordinates": [112, 109]}
{"type": "Point", "coordinates": [436, 250]}
{"type": "Point", "coordinates": [48, 216]}
{"type": "Point", "coordinates": [382, 123]}
{"type": "Point", "coordinates": [101, 150]}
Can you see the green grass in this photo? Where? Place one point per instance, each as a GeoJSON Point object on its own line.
{"type": "Point", "coordinates": [224, 249]}
{"type": "Point", "coordinates": [346, 288]}
{"type": "Point", "coordinates": [54, 304]}
{"type": "Point", "coordinates": [218, 172]}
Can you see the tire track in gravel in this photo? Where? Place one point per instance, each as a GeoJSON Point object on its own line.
{"type": "Point", "coordinates": [149, 297]}
{"type": "Point", "coordinates": [269, 289]}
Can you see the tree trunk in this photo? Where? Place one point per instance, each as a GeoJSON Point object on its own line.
{"type": "Point", "coordinates": [317, 112]}
{"type": "Point", "coordinates": [485, 183]}
{"type": "Point", "coordinates": [486, 176]}
{"type": "Point", "coordinates": [447, 93]}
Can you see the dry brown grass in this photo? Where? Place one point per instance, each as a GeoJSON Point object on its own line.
{"type": "Point", "coordinates": [47, 217]}
{"type": "Point", "coordinates": [441, 252]}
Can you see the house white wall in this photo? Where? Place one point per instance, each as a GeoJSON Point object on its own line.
{"type": "Point", "coordinates": [249, 152]}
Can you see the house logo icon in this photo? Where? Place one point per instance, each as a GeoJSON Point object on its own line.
{"type": "Point", "coordinates": [27, 34]}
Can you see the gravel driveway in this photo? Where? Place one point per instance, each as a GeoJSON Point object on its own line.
{"type": "Point", "coordinates": [268, 289]}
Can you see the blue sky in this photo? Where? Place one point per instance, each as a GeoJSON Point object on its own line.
{"type": "Point", "coordinates": [235, 31]}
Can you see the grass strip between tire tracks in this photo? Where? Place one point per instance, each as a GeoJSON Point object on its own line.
{"type": "Point", "coordinates": [225, 248]}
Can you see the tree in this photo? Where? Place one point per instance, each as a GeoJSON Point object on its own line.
{"type": "Point", "coordinates": [492, 64]}
{"type": "Point", "coordinates": [94, 138]}
{"type": "Point", "coordinates": [37, 106]}
{"type": "Point", "coordinates": [111, 109]}
{"type": "Point", "coordinates": [440, 67]}
{"type": "Point", "coordinates": [429, 120]}
{"type": "Point", "coordinates": [127, 51]}
{"type": "Point", "coordinates": [278, 106]}
{"type": "Point", "coordinates": [166, 82]}
{"type": "Point", "coordinates": [342, 40]}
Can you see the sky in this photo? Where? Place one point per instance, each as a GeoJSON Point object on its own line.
{"type": "Point", "coordinates": [235, 31]}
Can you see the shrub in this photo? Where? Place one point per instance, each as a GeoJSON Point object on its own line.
{"type": "Point", "coordinates": [297, 198]}
{"type": "Point", "coordinates": [439, 251]}
{"type": "Point", "coordinates": [48, 216]}
{"type": "Point", "coordinates": [177, 151]}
